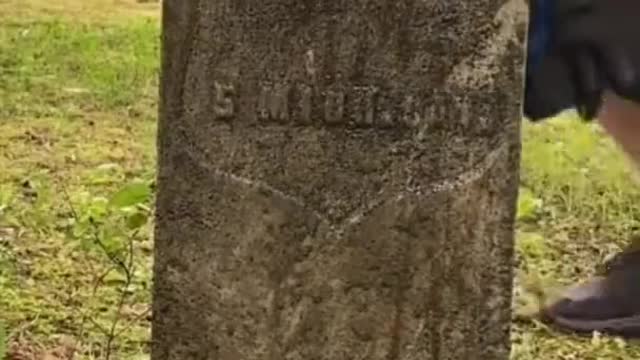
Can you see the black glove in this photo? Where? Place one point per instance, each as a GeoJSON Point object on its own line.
{"type": "Point", "coordinates": [591, 46]}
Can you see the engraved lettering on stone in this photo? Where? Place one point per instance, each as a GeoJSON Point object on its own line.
{"type": "Point", "coordinates": [385, 116]}
{"type": "Point", "coordinates": [364, 105]}
{"type": "Point", "coordinates": [223, 106]}
{"type": "Point", "coordinates": [309, 64]}
{"type": "Point", "coordinates": [334, 107]}
{"type": "Point", "coordinates": [437, 110]}
{"type": "Point", "coordinates": [273, 102]}
{"type": "Point", "coordinates": [386, 119]}
{"type": "Point", "coordinates": [305, 93]}
{"type": "Point", "coordinates": [483, 121]}
{"type": "Point", "coordinates": [429, 116]}
{"type": "Point", "coordinates": [279, 103]}
{"type": "Point", "coordinates": [410, 112]}
{"type": "Point", "coordinates": [464, 113]}
{"type": "Point", "coordinates": [263, 102]}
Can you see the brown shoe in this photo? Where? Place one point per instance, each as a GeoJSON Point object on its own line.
{"type": "Point", "coordinates": [609, 304]}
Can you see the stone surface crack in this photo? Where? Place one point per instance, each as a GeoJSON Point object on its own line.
{"type": "Point", "coordinates": [461, 180]}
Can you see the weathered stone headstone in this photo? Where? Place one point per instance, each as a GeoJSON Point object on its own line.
{"type": "Point", "coordinates": [337, 179]}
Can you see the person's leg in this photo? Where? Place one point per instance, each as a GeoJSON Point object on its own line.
{"type": "Point", "coordinates": [609, 303]}
{"type": "Point", "coordinates": [621, 119]}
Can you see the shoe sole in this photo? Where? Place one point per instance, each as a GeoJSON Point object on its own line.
{"type": "Point", "coordinates": [627, 327]}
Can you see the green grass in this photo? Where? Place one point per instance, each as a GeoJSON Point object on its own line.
{"type": "Point", "coordinates": [578, 205]}
{"type": "Point", "coordinates": [77, 125]}
{"type": "Point", "coordinates": [58, 68]}
{"type": "Point", "coordinates": [77, 122]}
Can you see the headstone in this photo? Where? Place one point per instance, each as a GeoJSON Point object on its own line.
{"type": "Point", "coordinates": [337, 179]}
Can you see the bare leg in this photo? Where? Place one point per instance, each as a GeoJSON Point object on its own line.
{"type": "Point", "coordinates": [621, 119]}
{"type": "Point", "coordinates": [608, 304]}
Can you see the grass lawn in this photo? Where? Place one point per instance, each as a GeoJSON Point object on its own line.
{"type": "Point", "coordinates": [78, 89]}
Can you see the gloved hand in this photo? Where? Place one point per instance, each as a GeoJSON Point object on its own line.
{"type": "Point", "coordinates": [576, 50]}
